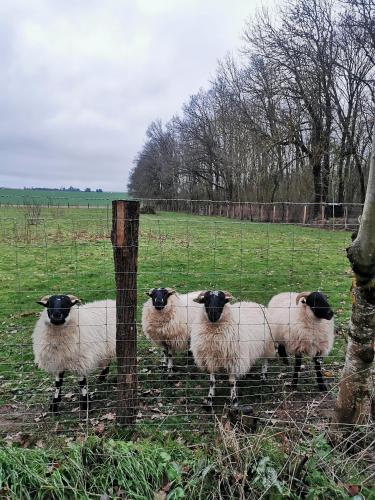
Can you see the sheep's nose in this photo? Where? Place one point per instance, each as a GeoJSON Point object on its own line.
{"type": "Point", "coordinates": [213, 314]}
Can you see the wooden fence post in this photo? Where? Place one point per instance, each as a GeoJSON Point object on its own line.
{"type": "Point", "coordinates": [304, 214]}
{"type": "Point", "coordinates": [125, 222]}
{"type": "Point", "coordinates": [346, 217]}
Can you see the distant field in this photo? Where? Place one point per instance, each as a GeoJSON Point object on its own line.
{"type": "Point", "coordinates": [58, 198]}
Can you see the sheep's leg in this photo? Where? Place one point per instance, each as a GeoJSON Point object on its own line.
{"type": "Point", "coordinates": [233, 390]}
{"type": "Point", "coordinates": [167, 359]}
{"type": "Point", "coordinates": [190, 357]}
{"type": "Point", "coordinates": [282, 353]}
{"type": "Point", "coordinates": [211, 391]}
{"type": "Point", "coordinates": [164, 359]}
{"type": "Point", "coordinates": [319, 374]}
{"type": "Point", "coordinates": [170, 362]}
{"type": "Point", "coordinates": [103, 374]}
{"type": "Point", "coordinates": [83, 393]}
{"type": "Point", "coordinates": [57, 395]}
{"type": "Point", "coordinates": [264, 369]}
{"type": "Point", "coordinates": [297, 368]}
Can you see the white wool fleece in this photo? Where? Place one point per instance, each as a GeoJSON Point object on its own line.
{"type": "Point", "coordinates": [235, 342]}
{"type": "Point", "coordinates": [297, 327]}
{"type": "Point", "coordinates": [86, 341]}
{"type": "Point", "coordinates": [171, 326]}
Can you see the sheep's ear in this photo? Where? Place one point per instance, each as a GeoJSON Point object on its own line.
{"type": "Point", "coordinates": [300, 296]}
{"type": "Point", "coordinates": [171, 291]}
{"type": "Point", "coordinates": [150, 292]}
{"type": "Point", "coordinates": [44, 301]}
{"type": "Point", "coordinates": [228, 296]}
{"type": "Point", "coordinates": [200, 298]}
{"type": "Point", "coordinates": [74, 300]}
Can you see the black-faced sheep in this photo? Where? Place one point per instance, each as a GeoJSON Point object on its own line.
{"type": "Point", "coordinates": [302, 323]}
{"type": "Point", "coordinates": [79, 339]}
{"type": "Point", "coordinates": [166, 320]}
{"type": "Point", "coordinates": [229, 337]}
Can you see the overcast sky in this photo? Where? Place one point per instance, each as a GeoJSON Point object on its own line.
{"type": "Point", "coordinates": [80, 80]}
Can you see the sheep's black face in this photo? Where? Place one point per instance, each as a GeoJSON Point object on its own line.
{"type": "Point", "coordinates": [159, 297]}
{"type": "Point", "coordinates": [214, 303]}
{"type": "Point", "coordinates": [319, 305]}
{"type": "Point", "coordinates": [58, 307]}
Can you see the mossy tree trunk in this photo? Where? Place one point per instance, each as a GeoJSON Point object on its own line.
{"type": "Point", "coordinates": [353, 401]}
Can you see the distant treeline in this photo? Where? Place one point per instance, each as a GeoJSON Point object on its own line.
{"type": "Point", "coordinates": [290, 119]}
{"type": "Point", "coordinates": [70, 189]}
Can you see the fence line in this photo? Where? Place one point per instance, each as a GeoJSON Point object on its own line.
{"type": "Point", "coordinates": [328, 214]}
{"type": "Point", "coordinates": [343, 215]}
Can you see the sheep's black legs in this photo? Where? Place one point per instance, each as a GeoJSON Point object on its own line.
{"type": "Point", "coordinates": [57, 396]}
{"type": "Point", "coordinates": [319, 375]}
{"type": "Point", "coordinates": [282, 353]}
{"type": "Point", "coordinates": [103, 374]}
{"type": "Point", "coordinates": [84, 394]}
{"type": "Point", "coordinates": [233, 390]}
{"type": "Point", "coordinates": [297, 368]}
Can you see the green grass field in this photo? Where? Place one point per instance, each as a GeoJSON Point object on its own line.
{"type": "Point", "coordinates": [69, 251]}
{"type": "Point", "coordinates": [58, 198]}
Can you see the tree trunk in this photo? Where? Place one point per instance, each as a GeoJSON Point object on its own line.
{"type": "Point", "coordinates": [340, 177]}
{"type": "Point", "coordinates": [353, 405]}
{"type": "Point", "coordinates": [361, 178]}
{"type": "Point", "coordinates": [317, 178]}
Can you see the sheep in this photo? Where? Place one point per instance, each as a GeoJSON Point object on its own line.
{"type": "Point", "coordinates": [70, 336]}
{"type": "Point", "coordinates": [166, 321]}
{"type": "Point", "coordinates": [229, 337]}
{"type": "Point", "coordinates": [302, 323]}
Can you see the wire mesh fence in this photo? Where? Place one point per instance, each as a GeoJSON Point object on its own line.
{"type": "Point", "coordinates": [69, 251]}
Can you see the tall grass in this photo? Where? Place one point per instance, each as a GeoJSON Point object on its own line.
{"type": "Point", "coordinates": [238, 466]}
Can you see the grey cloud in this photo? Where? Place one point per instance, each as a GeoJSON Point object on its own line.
{"type": "Point", "coordinates": [81, 81]}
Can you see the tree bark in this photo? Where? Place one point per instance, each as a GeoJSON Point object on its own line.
{"type": "Point", "coordinates": [353, 404]}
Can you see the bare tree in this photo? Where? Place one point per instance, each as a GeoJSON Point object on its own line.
{"type": "Point", "coordinates": [290, 120]}
{"type": "Point", "coordinates": [352, 405]}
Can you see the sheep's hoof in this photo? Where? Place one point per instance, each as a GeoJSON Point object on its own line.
{"type": "Point", "coordinates": [322, 388]}
{"type": "Point", "coordinates": [170, 372]}
{"type": "Point", "coordinates": [207, 405]}
{"type": "Point", "coordinates": [54, 409]}
{"type": "Point", "coordinates": [84, 406]}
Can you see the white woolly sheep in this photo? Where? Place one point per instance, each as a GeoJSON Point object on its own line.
{"type": "Point", "coordinates": [230, 337]}
{"type": "Point", "coordinates": [302, 323]}
{"type": "Point", "coordinates": [79, 339]}
{"type": "Point", "coordinates": [166, 320]}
